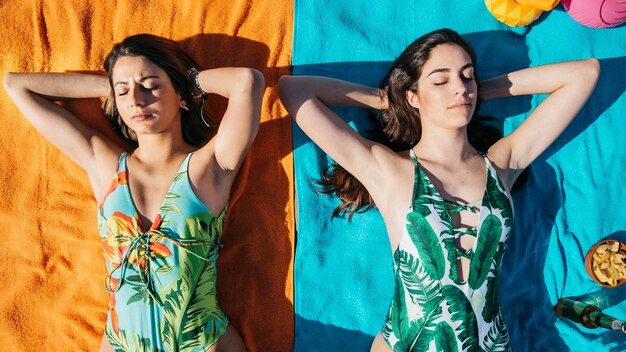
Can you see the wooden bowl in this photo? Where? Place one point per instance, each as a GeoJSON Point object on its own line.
{"type": "Point", "coordinates": [589, 257]}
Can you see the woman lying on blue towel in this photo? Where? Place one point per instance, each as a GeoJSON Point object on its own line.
{"type": "Point", "coordinates": [439, 178]}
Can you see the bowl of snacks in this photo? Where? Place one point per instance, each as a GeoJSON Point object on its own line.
{"type": "Point", "coordinates": [606, 263]}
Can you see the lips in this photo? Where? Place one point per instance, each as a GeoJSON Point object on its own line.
{"type": "Point", "coordinates": [462, 104]}
{"type": "Point", "coordinates": [141, 116]}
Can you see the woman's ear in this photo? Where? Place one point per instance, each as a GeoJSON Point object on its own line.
{"type": "Point", "coordinates": [412, 99]}
{"type": "Point", "coordinates": [183, 104]}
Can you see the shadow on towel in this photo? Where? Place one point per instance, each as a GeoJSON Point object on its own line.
{"type": "Point", "coordinates": [312, 334]}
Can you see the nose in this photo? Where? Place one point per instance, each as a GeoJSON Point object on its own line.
{"type": "Point", "coordinates": [135, 95]}
{"type": "Point", "coordinates": [460, 86]}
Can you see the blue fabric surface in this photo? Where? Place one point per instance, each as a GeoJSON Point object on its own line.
{"type": "Point", "coordinates": [343, 271]}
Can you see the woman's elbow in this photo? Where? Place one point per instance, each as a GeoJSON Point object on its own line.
{"type": "Point", "coordinates": [251, 80]}
{"type": "Point", "coordinates": [284, 87]}
{"type": "Point", "coordinates": [8, 81]}
{"type": "Point", "coordinates": [292, 91]}
{"type": "Point", "coordinates": [592, 70]}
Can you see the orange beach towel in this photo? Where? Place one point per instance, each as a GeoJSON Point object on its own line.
{"type": "Point", "coordinates": [51, 267]}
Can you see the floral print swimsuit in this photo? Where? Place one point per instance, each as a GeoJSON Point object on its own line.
{"type": "Point", "coordinates": [161, 280]}
{"type": "Point", "coordinates": [432, 309]}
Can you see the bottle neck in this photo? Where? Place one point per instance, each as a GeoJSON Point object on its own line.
{"type": "Point", "coordinates": [602, 320]}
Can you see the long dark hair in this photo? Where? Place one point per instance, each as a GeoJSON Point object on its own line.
{"type": "Point", "coordinates": [400, 122]}
{"type": "Point", "coordinates": [166, 54]}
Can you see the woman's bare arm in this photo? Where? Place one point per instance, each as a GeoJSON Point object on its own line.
{"type": "Point", "coordinates": [569, 84]}
{"type": "Point", "coordinates": [35, 93]}
{"type": "Point", "coordinates": [307, 98]}
{"type": "Point", "coordinates": [244, 89]}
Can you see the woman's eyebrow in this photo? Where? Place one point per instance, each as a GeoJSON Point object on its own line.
{"type": "Point", "coordinates": [141, 79]}
{"type": "Point", "coordinates": [466, 66]}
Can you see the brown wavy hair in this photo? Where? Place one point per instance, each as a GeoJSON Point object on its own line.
{"type": "Point", "coordinates": [400, 127]}
{"type": "Point", "coordinates": [166, 54]}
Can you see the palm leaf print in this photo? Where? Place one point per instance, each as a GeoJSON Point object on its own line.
{"type": "Point", "coordinates": [202, 309]}
{"type": "Point", "coordinates": [140, 295]}
{"type": "Point", "coordinates": [445, 340]}
{"type": "Point", "coordinates": [167, 336]}
{"type": "Point", "coordinates": [399, 307]}
{"type": "Point", "coordinates": [422, 334]}
{"type": "Point", "coordinates": [217, 224]}
{"type": "Point", "coordinates": [180, 175]}
{"type": "Point", "coordinates": [499, 200]}
{"type": "Point", "coordinates": [127, 341]}
{"type": "Point", "coordinates": [387, 331]}
{"type": "Point", "coordinates": [492, 301]}
{"type": "Point", "coordinates": [118, 344]}
{"type": "Point", "coordinates": [422, 289]}
{"type": "Point", "coordinates": [486, 248]}
{"type": "Point", "coordinates": [203, 226]}
{"type": "Point", "coordinates": [450, 246]}
{"type": "Point", "coordinates": [497, 338]}
{"type": "Point", "coordinates": [164, 269]}
{"type": "Point", "coordinates": [427, 245]}
{"type": "Point", "coordinates": [171, 195]}
{"type": "Point", "coordinates": [423, 184]}
{"type": "Point", "coordinates": [198, 224]}
{"type": "Point", "coordinates": [397, 317]}
{"type": "Point", "coordinates": [169, 208]}
{"type": "Point", "coordinates": [192, 315]}
{"type": "Point", "coordinates": [421, 207]}
{"type": "Point", "coordinates": [173, 302]}
{"type": "Point", "coordinates": [489, 310]}
{"type": "Point", "coordinates": [417, 320]}
{"type": "Point", "coordinates": [461, 311]}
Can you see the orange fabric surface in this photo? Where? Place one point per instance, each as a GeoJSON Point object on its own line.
{"type": "Point", "coordinates": [52, 269]}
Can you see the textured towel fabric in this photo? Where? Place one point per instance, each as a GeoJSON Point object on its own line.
{"type": "Point", "coordinates": [52, 267]}
{"type": "Point", "coordinates": [343, 271]}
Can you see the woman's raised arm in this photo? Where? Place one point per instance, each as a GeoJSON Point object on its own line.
{"type": "Point", "coordinates": [35, 93]}
{"type": "Point", "coordinates": [244, 89]}
{"type": "Point", "coordinates": [307, 98]}
{"type": "Point", "coordinates": [569, 84]}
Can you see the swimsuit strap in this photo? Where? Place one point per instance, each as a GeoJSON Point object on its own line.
{"type": "Point", "coordinates": [185, 165]}
{"type": "Point", "coordinates": [121, 163]}
{"type": "Point", "coordinates": [416, 171]}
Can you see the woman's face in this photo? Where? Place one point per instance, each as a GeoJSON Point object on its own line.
{"type": "Point", "coordinates": [144, 96]}
{"type": "Point", "coordinates": [447, 92]}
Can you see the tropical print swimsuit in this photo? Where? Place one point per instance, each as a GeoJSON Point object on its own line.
{"type": "Point", "coordinates": [161, 281]}
{"type": "Point", "coordinates": [432, 309]}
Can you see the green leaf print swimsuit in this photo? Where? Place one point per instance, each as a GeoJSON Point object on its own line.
{"type": "Point", "coordinates": [432, 309]}
{"type": "Point", "coordinates": [161, 281]}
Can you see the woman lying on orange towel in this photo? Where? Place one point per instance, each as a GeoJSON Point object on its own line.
{"type": "Point", "coordinates": [161, 217]}
{"type": "Point", "coordinates": [441, 187]}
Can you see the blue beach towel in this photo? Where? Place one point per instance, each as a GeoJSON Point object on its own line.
{"type": "Point", "coordinates": [574, 198]}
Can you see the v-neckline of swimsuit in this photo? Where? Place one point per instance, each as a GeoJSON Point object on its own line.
{"type": "Point", "coordinates": [473, 231]}
{"type": "Point", "coordinates": [156, 222]}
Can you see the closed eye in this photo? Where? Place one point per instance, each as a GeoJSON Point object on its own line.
{"type": "Point", "coordinates": [149, 89]}
{"type": "Point", "coordinates": [468, 74]}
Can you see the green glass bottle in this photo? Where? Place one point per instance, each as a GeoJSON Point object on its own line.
{"type": "Point", "coordinates": [588, 315]}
